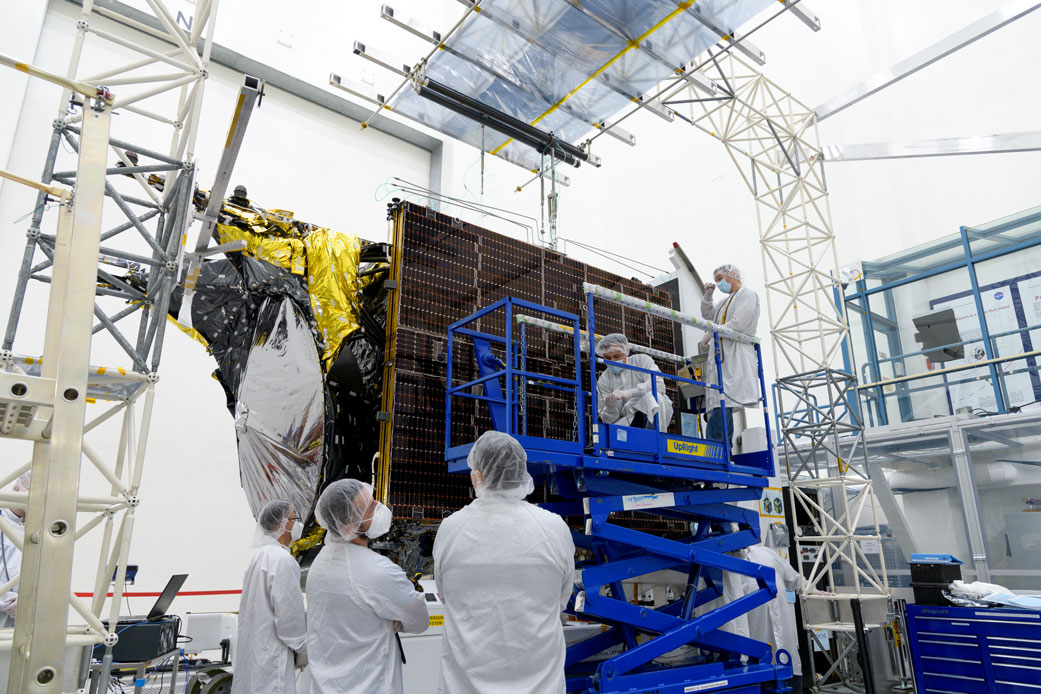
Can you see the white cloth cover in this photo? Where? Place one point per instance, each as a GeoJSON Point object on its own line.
{"type": "Point", "coordinates": [738, 311]}
{"type": "Point", "coordinates": [354, 596]}
{"type": "Point", "coordinates": [978, 590]}
{"type": "Point", "coordinates": [642, 400]}
{"type": "Point", "coordinates": [272, 622]}
{"type": "Point", "coordinates": [774, 623]}
{"type": "Point", "coordinates": [504, 569]}
{"type": "Point", "coordinates": [734, 586]}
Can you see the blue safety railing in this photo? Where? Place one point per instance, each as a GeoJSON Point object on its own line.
{"type": "Point", "coordinates": [884, 368]}
{"type": "Point", "coordinates": [607, 472]}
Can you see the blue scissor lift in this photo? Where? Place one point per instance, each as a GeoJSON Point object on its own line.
{"type": "Point", "coordinates": [614, 469]}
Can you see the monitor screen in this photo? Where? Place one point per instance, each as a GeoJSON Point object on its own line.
{"type": "Point", "coordinates": [167, 596]}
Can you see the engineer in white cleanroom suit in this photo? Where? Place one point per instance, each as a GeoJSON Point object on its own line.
{"type": "Point", "coordinates": [272, 632]}
{"type": "Point", "coordinates": [505, 569]}
{"type": "Point", "coordinates": [624, 396]}
{"type": "Point", "coordinates": [357, 599]}
{"type": "Point", "coordinates": [738, 311]}
{"type": "Point", "coordinates": [734, 586]}
{"type": "Point", "coordinates": [10, 567]}
{"type": "Point", "coordinates": [774, 622]}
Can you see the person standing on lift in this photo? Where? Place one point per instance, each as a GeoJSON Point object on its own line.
{"type": "Point", "coordinates": [739, 311]}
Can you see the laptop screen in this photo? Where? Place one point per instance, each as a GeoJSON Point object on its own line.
{"type": "Point", "coordinates": [167, 596]}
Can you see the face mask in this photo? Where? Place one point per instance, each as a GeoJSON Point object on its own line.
{"type": "Point", "coordinates": [724, 286]}
{"type": "Point", "coordinates": [297, 532]}
{"type": "Point", "coordinates": [380, 523]}
{"type": "Point", "coordinates": [615, 369]}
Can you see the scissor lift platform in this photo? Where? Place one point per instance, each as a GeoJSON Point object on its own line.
{"type": "Point", "coordinates": [605, 470]}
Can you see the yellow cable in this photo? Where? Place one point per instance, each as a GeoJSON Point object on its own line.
{"type": "Point", "coordinates": [683, 7]}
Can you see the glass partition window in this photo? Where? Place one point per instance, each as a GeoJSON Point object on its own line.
{"type": "Point", "coordinates": [1005, 233]}
{"type": "Point", "coordinates": [912, 330]}
{"type": "Point", "coordinates": [952, 326]}
{"type": "Point", "coordinates": [1010, 287]}
{"type": "Point", "coordinates": [1006, 467]}
{"type": "Point", "coordinates": [918, 496]}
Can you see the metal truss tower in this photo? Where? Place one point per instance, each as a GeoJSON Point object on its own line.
{"type": "Point", "coordinates": [772, 139]}
{"type": "Point", "coordinates": [111, 266]}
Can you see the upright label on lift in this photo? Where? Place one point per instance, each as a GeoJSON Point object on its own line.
{"type": "Point", "coordinates": [686, 448]}
{"type": "Point", "coordinates": [638, 501]}
{"type": "Point", "coordinates": [707, 685]}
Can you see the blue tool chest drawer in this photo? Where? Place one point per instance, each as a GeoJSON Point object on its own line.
{"type": "Point", "coordinates": [975, 650]}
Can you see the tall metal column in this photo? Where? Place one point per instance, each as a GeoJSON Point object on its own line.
{"type": "Point", "coordinates": [50, 528]}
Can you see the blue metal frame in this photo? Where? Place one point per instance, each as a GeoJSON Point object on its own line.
{"type": "Point", "coordinates": [894, 273]}
{"type": "Point", "coordinates": [612, 470]}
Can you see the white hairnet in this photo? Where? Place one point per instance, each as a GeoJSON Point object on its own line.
{"type": "Point", "coordinates": [272, 521]}
{"type": "Point", "coordinates": [274, 517]}
{"type": "Point", "coordinates": [729, 271]}
{"type": "Point", "coordinates": [341, 509]}
{"type": "Point", "coordinates": [611, 342]}
{"type": "Point", "coordinates": [503, 465]}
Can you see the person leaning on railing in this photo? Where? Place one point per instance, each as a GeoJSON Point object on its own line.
{"type": "Point", "coordinates": [624, 396]}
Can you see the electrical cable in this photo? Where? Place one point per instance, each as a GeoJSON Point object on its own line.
{"type": "Point", "coordinates": [615, 260]}
{"type": "Point", "coordinates": [407, 187]}
{"type": "Point", "coordinates": [415, 188]}
{"type": "Point", "coordinates": [585, 245]}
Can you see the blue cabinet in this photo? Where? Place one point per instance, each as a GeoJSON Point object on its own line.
{"type": "Point", "coordinates": [974, 650]}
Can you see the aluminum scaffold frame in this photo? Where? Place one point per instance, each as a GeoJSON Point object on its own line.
{"type": "Point", "coordinates": [772, 139]}
{"type": "Point", "coordinates": [44, 400]}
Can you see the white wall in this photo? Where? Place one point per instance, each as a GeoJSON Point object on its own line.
{"type": "Point", "coordinates": [675, 185]}
{"type": "Point", "coordinates": [20, 45]}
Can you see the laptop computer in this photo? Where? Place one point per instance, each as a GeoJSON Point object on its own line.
{"type": "Point", "coordinates": [162, 604]}
{"type": "Point", "coordinates": [152, 635]}
{"type": "Point", "coordinates": [173, 586]}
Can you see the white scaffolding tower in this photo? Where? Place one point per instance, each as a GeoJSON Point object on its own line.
{"type": "Point", "coordinates": [772, 139]}
{"type": "Point", "coordinates": [91, 272]}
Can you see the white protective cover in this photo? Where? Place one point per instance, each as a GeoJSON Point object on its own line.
{"type": "Point", "coordinates": [505, 570]}
{"type": "Point", "coordinates": [272, 622]}
{"type": "Point", "coordinates": [738, 311]}
{"type": "Point", "coordinates": [642, 400]}
{"type": "Point", "coordinates": [774, 622]}
{"type": "Point", "coordinates": [354, 596]}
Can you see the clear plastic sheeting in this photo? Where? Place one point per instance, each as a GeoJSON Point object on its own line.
{"type": "Point", "coordinates": [565, 66]}
{"type": "Point", "coordinates": [280, 412]}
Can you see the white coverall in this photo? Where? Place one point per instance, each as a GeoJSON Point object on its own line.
{"type": "Point", "coordinates": [642, 400]}
{"type": "Point", "coordinates": [272, 622]}
{"type": "Point", "coordinates": [354, 596]}
{"type": "Point", "coordinates": [774, 622]}
{"type": "Point", "coordinates": [740, 312]}
{"type": "Point", "coordinates": [505, 570]}
{"type": "Point", "coordinates": [734, 586]}
{"type": "Point", "coordinates": [10, 567]}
